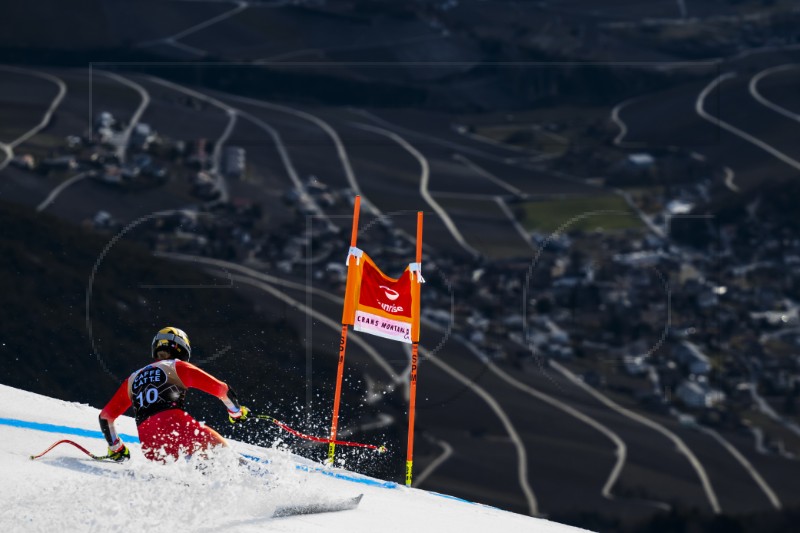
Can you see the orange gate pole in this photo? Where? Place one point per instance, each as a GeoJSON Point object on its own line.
{"type": "Point", "coordinates": [343, 342]}
{"type": "Point", "coordinates": [412, 391]}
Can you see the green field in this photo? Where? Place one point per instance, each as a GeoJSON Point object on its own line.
{"type": "Point", "coordinates": [607, 213]}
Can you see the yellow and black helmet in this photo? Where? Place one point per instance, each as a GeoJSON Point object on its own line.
{"type": "Point", "coordinates": [173, 340]}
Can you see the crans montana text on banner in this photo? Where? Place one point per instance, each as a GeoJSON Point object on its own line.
{"type": "Point", "coordinates": [384, 305]}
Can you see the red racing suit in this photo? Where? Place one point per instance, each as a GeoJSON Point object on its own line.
{"type": "Point", "coordinates": [157, 393]}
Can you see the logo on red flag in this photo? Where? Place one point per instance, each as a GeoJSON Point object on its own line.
{"type": "Point", "coordinates": [381, 292]}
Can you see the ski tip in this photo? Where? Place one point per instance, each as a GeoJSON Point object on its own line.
{"type": "Point", "coordinates": [314, 508]}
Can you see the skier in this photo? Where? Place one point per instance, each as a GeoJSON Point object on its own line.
{"type": "Point", "coordinates": [157, 393]}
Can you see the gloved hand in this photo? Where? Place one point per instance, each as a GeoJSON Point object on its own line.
{"type": "Point", "coordinates": [241, 416]}
{"type": "Point", "coordinates": [118, 451]}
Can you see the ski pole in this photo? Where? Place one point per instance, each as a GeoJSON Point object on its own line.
{"type": "Point", "coordinates": [81, 448]}
{"type": "Point", "coordinates": [379, 449]}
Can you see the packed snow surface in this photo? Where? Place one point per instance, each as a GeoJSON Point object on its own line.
{"type": "Point", "coordinates": [67, 491]}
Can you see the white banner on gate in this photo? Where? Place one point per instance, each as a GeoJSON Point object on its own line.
{"type": "Point", "coordinates": [382, 327]}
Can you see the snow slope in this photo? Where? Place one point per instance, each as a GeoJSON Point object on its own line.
{"type": "Point", "coordinates": [66, 491]}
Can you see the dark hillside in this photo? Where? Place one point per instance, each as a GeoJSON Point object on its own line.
{"type": "Point", "coordinates": [45, 345]}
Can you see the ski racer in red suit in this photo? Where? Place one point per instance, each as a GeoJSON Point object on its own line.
{"type": "Point", "coordinates": [157, 393]}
